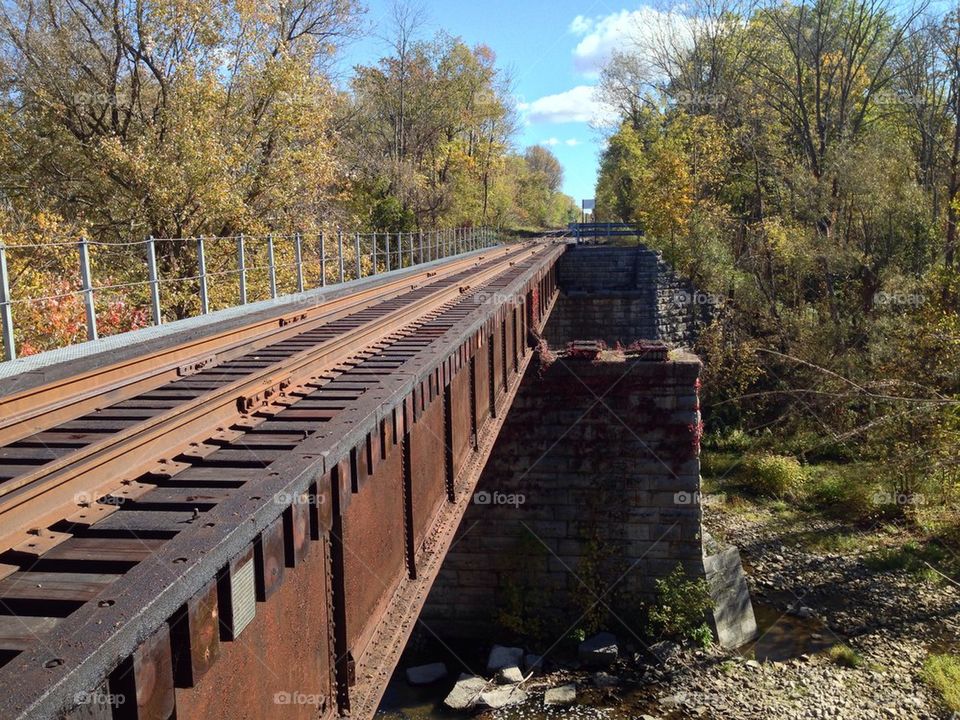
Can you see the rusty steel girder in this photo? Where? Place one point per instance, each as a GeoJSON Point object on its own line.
{"type": "Point", "coordinates": [325, 521]}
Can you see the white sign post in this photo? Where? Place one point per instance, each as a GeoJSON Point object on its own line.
{"type": "Point", "coordinates": [590, 205]}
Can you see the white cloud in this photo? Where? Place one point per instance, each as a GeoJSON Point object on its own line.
{"type": "Point", "coordinates": [581, 25]}
{"type": "Point", "coordinates": [553, 142]}
{"type": "Point", "coordinates": [627, 29]}
{"type": "Point", "coordinates": [577, 105]}
{"type": "Point", "coordinates": [572, 142]}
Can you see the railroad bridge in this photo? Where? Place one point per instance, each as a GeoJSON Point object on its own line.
{"type": "Point", "coordinates": [242, 515]}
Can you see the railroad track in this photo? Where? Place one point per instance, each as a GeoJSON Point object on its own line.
{"type": "Point", "coordinates": [102, 470]}
{"type": "Point", "coordinates": [53, 461]}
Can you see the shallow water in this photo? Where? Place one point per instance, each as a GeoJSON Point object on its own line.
{"type": "Point", "coordinates": [785, 637]}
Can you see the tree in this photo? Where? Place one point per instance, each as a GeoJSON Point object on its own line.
{"type": "Point", "coordinates": [131, 112]}
{"type": "Point", "coordinates": [541, 160]}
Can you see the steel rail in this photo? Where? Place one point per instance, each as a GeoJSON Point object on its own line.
{"type": "Point", "coordinates": [34, 410]}
{"type": "Point", "coordinates": [39, 498]}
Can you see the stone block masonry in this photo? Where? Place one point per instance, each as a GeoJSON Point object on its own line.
{"type": "Point", "coordinates": [624, 294]}
{"type": "Point", "coordinates": [590, 495]}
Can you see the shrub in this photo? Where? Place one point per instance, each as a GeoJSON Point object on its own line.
{"type": "Point", "coordinates": [681, 605]}
{"type": "Point", "coordinates": [773, 475]}
{"type": "Point", "coordinates": [942, 673]}
{"type": "Point", "coordinates": [840, 491]}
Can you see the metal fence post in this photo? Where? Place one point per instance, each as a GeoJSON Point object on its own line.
{"type": "Point", "coordinates": [6, 309]}
{"type": "Point", "coordinates": [271, 263]}
{"type": "Point", "coordinates": [388, 252]}
{"type": "Point", "coordinates": [323, 262]}
{"type": "Point", "coordinates": [356, 238]}
{"type": "Point", "coordinates": [87, 280]}
{"type": "Point", "coordinates": [242, 269]}
{"type": "Point", "coordinates": [298, 254]}
{"type": "Point", "coordinates": [340, 251]}
{"type": "Point", "coordinates": [421, 245]}
{"type": "Point", "coordinates": [374, 253]}
{"type": "Point", "coordinates": [154, 281]}
{"type": "Point", "coordinates": [412, 263]}
{"type": "Point", "coordinates": [202, 265]}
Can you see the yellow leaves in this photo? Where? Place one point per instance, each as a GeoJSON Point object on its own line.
{"type": "Point", "coordinates": [664, 192]}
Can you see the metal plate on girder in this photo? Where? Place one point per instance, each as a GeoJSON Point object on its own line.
{"type": "Point", "coordinates": [145, 681]}
{"type": "Point", "coordinates": [195, 636]}
{"type": "Point", "coordinates": [296, 530]}
{"type": "Point", "coordinates": [238, 596]}
{"type": "Point", "coordinates": [270, 556]}
{"type": "Point", "coordinates": [243, 596]}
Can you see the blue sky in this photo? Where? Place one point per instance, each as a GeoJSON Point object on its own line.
{"type": "Point", "coordinates": [553, 50]}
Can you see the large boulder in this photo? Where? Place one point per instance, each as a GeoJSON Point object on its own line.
{"type": "Point", "coordinates": [426, 674]}
{"type": "Point", "coordinates": [503, 696]}
{"type": "Point", "coordinates": [560, 696]}
{"type": "Point", "coordinates": [509, 675]}
{"type": "Point", "coordinates": [466, 693]}
{"type": "Point", "coordinates": [599, 651]}
{"type": "Point", "coordinates": [533, 664]}
{"type": "Point", "coordinates": [504, 657]}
